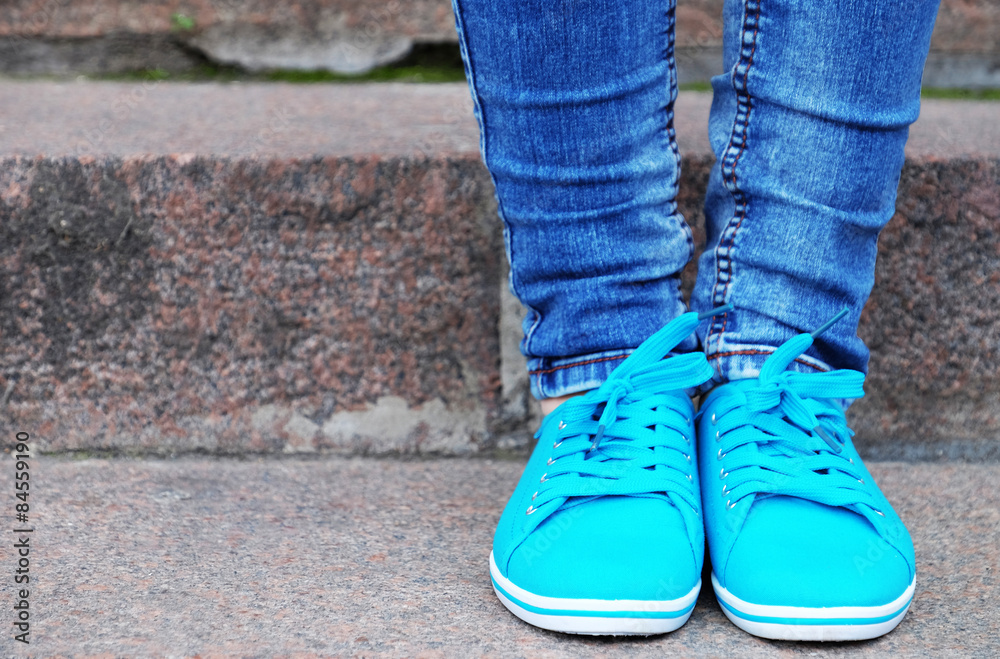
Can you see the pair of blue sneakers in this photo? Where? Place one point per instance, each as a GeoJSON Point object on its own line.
{"type": "Point", "coordinates": [606, 531]}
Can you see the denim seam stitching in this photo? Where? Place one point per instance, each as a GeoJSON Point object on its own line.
{"type": "Point", "coordinates": [670, 57]}
{"type": "Point", "coordinates": [574, 364]}
{"type": "Point", "coordinates": [739, 353]}
{"type": "Point", "coordinates": [481, 120]}
{"type": "Point", "coordinates": [740, 126]}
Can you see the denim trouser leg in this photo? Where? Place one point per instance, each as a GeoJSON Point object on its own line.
{"type": "Point", "coordinates": [575, 103]}
{"type": "Point", "coordinates": [808, 124]}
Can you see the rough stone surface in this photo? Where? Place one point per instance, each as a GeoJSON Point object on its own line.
{"type": "Point", "coordinates": [109, 54]}
{"type": "Point", "coordinates": [178, 302]}
{"type": "Point", "coordinates": [155, 303]}
{"type": "Point", "coordinates": [389, 558]}
{"type": "Point", "coordinates": [967, 26]}
{"type": "Point", "coordinates": [932, 323]}
{"type": "Point", "coordinates": [349, 36]}
{"type": "Point", "coordinates": [66, 37]}
{"type": "Point", "coordinates": [262, 48]}
{"type": "Point", "coordinates": [962, 25]}
{"type": "Point", "coordinates": [91, 18]}
{"type": "Point", "coordinates": [962, 70]}
{"type": "Point", "coordinates": [276, 268]}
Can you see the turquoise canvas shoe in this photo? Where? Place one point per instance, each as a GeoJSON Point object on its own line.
{"type": "Point", "coordinates": [604, 533]}
{"type": "Point", "coordinates": [803, 544]}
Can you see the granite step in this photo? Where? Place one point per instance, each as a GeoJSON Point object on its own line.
{"type": "Point", "coordinates": [388, 558]}
{"type": "Point", "coordinates": [115, 36]}
{"type": "Point", "coordinates": [253, 268]}
{"type": "Point", "coordinates": [69, 37]}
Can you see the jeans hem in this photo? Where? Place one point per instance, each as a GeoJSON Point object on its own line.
{"type": "Point", "coordinates": [742, 362]}
{"type": "Point", "coordinates": [551, 378]}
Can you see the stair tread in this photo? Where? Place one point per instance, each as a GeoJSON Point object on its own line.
{"type": "Point", "coordinates": [244, 119]}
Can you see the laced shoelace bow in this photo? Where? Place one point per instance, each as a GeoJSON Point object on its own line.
{"type": "Point", "coordinates": [781, 437]}
{"type": "Point", "coordinates": [637, 445]}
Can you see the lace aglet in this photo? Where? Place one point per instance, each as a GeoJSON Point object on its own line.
{"type": "Point", "coordinates": [726, 308]}
{"type": "Point", "coordinates": [829, 323]}
{"type": "Point", "coordinates": [597, 439]}
{"type": "Point", "coordinates": [826, 438]}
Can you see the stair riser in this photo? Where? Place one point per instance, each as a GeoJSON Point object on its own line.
{"type": "Point", "coordinates": [354, 305]}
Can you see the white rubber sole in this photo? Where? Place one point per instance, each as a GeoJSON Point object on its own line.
{"type": "Point", "coordinates": [797, 623]}
{"type": "Point", "coordinates": [593, 616]}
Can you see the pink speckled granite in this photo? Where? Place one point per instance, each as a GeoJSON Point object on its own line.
{"type": "Point", "coordinates": [67, 37]}
{"type": "Point", "coordinates": [73, 37]}
{"type": "Point", "coordinates": [238, 268]}
{"type": "Point", "coordinates": [70, 37]}
{"type": "Point", "coordinates": [158, 303]}
{"type": "Point", "coordinates": [962, 25]}
{"type": "Point", "coordinates": [933, 321]}
{"type": "Point", "coordinates": [364, 558]}
{"type": "Point", "coordinates": [91, 18]}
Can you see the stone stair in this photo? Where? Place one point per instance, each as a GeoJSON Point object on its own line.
{"type": "Point", "coordinates": [253, 268]}
{"type": "Point", "coordinates": [69, 37]}
{"type": "Point", "coordinates": [389, 558]}
{"type": "Point", "coordinates": [282, 283]}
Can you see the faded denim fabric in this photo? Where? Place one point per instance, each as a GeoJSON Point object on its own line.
{"type": "Point", "coordinates": [809, 120]}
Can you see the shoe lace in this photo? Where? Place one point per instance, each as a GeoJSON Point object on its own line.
{"type": "Point", "coordinates": [630, 436]}
{"type": "Point", "coordinates": [785, 436]}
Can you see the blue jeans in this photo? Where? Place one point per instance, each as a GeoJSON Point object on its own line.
{"type": "Point", "coordinates": [808, 124]}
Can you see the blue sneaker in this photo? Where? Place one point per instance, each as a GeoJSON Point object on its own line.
{"type": "Point", "coordinates": [804, 545]}
{"type": "Point", "coordinates": [604, 533]}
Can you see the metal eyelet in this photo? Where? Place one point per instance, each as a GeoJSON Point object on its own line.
{"type": "Point", "coordinates": [851, 460]}
{"type": "Point", "coordinates": [861, 480]}
{"type": "Point", "coordinates": [534, 495]}
{"type": "Point", "coordinates": [880, 513]}
{"type": "Point", "coordinates": [687, 456]}
{"type": "Point", "coordinates": [720, 455]}
{"type": "Point", "coordinates": [542, 480]}
{"type": "Point", "coordinates": [550, 462]}
{"type": "Point", "coordinates": [713, 418]}
{"type": "Point", "coordinates": [562, 425]}
{"type": "Point", "coordinates": [723, 473]}
{"type": "Point", "coordinates": [724, 490]}
{"type": "Point", "coordinates": [690, 478]}
{"type": "Point", "coordinates": [730, 505]}
{"type": "Point", "coordinates": [556, 444]}
{"type": "Point", "coordinates": [530, 510]}
{"type": "Point", "coordinates": [717, 436]}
